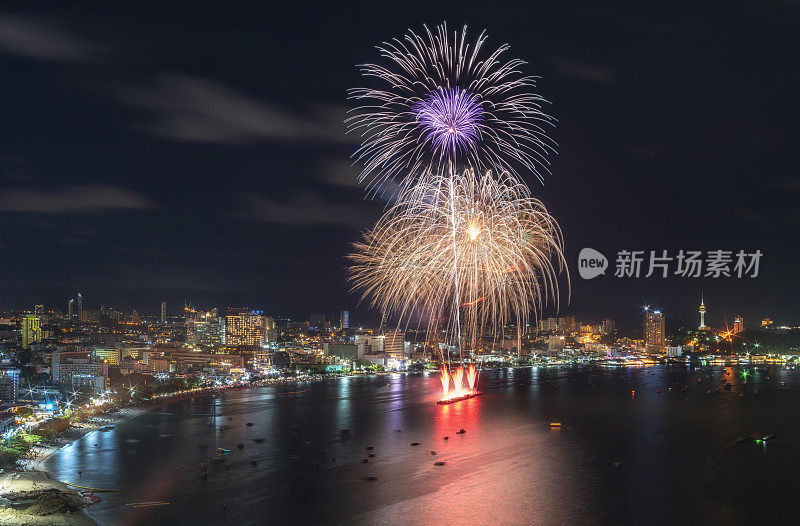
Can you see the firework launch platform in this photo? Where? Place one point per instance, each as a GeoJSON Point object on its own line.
{"type": "Point", "coordinates": [455, 399]}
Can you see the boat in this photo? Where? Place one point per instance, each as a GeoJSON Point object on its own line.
{"type": "Point", "coordinates": [555, 424]}
{"type": "Point", "coordinates": [259, 440]}
{"type": "Point", "coordinates": [455, 399]}
{"type": "Point", "coordinates": [241, 446]}
{"type": "Point", "coordinates": [223, 451]}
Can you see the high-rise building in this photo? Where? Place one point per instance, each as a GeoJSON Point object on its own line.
{"type": "Point", "coordinates": [608, 326]}
{"type": "Point", "coordinates": [766, 323]}
{"type": "Point", "coordinates": [344, 320]}
{"type": "Point", "coordinates": [246, 328]}
{"type": "Point", "coordinates": [207, 330]}
{"type": "Point", "coordinates": [163, 312]}
{"type": "Point", "coordinates": [80, 306]}
{"type": "Point", "coordinates": [271, 329]}
{"type": "Point", "coordinates": [31, 330]}
{"type": "Point", "coordinates": [38, 310]}
{"type": "Point", "coordinates": [738, 324]}
{"type": "Point", "coordinates": [317, 322]}
{"type": "Point", "coordinates": [393, 344]}
{"type": "Point", "coordinates": [70, 308]}
{"type": "Point", "coordinates": [654, 340]}
{"type": "Point", "coordinates": [9, 384]}
{"type": "Point", "coordinates": [703, 326]}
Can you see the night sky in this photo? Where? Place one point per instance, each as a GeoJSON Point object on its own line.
{"type": "Point", "coordinates": [173, 151]}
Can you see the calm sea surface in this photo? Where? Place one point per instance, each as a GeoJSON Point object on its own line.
{"type": "Point", "coordinates": [679, 461]}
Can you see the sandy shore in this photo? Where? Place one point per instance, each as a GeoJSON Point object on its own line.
{"type": "Point", "coordinates": [55, 503]}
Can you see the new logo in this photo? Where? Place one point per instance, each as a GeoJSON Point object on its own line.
{"type": "Point", "coordinates": [591, 263]}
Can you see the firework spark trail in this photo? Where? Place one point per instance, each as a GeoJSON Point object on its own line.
{"type": "Point", "coordinates": [442, 101]}
{"type": "Point", "coordinates": [472, 375]}
{"type": "Point", "coordinates": [458, 376]}
{"type": "Point", "coordinates": [474, 248]}
{"type": "Point", "coordinates": [445, 379]}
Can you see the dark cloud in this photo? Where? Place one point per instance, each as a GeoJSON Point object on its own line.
{"type": "Point", "coordinates": [193, 109]}
{"type": "Point", "coordinates": [339, 172]}
{"type": "Point", "coordinates": [40, 39]}
{"type": "Point", "coordinates": [90, 199]}
{"type": "Point", "coordinates": [787, 183]}
{"type": "Point", "coordinates": [583, 70]}
{"type": "Point", "coordinates": [307, 208]}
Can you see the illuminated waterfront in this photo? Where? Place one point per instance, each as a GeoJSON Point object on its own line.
{"type": "Point", "coordinates": [677, 451]}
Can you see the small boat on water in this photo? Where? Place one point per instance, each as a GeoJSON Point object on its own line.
{"type": "Point", "coordinates": [241, 446]}
{"type": "Point", "coordinates": [223, 451]}
{"type": "Point", "coordinates": [259, 440]}
{"type": "Point", "coordinates": [555, 424]}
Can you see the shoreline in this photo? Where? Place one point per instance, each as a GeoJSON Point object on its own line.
{"type": "Point", "coordinates": [56, 502]}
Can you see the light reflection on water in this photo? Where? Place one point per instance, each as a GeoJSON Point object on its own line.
{"type": "Point", "coordinates": [679, 458]}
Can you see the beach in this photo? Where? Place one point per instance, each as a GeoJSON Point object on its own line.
{"type": "Point", "coordinates": [29, 496]}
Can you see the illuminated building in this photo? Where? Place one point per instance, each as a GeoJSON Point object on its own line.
{"type": "Point", "coordinates": [76, 369]}
{"type": "Point", "coordinates": [271, 329]}
{"type": "Point", "coordinates": [703, 326]}
{"type": "Point", "coordinates": [163, 312]}
{"type": "Point", "coordinates": [31, 331]}
{"type": "Point", "coordinates": [109, 356]}
{"type": "Point", "coordinates": [393, 344]}
{"type": "Point", "coordinates": [673, 352]}
{"type": "Point", "coordinates": [372, 344]}
{"type": "Point", "coordinates": [38, 310]}
{"type": "Point", "coordinates": [608, 326]}
{"type": "Point", "coordinates": [80, 306]}
{"type": "Point", "coordinates": [246, 328]}
{"type": "Point", "coordinates": [766, 323]}
{"type": "Point", "coordinates": [206, 330]}
{"type": "Point", "coordinates": [344, 351]}
{"type": "Point", "coordinates": [344, 320]}
{"type": "Point", "coordinates": [70, 305]}
{"type": "Point", "coordinates": [738, 324]}
{"type": "Point", "coordinates": [9, 384]}
{"type": "Point", "coordinates": [654, 331]}
{"type": "Point", "coordinates": [262, 362]}
{"type": "Point", "coordinates": [555, 342]}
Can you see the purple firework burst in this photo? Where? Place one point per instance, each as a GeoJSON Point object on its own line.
{"type": "Point", "coordinates": [450, 119]}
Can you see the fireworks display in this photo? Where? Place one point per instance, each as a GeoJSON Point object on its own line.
{"type": "Point", "coordinates": [441, 100]}
{"type": "Point", "coordinates": [465, 251]}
